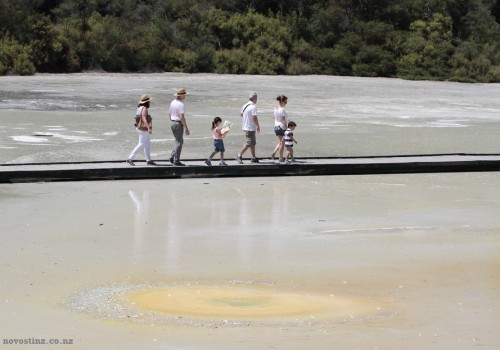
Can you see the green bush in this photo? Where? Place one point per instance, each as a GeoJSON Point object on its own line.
{"type": "Point", "coordinates": [15, 58]}
{"type": "Point", "coordinates": [373, 61]}
{"type": "Point", "coordinates": [410, 67]}
{"type": "Point", "coordinates": [23, 64]}
{"type": "Point", "coordinates": [299, 63]}
{"type": "Point", "coordinates": [230, 61]}
{"type": "Point", "coordinates": [6, 63]}
{"type": "Point", "coordinates": [177, 60]}
{"type": "Point", "coordinates": [296, 66]}
{"type": "Point", "coordinates": [205, 62]}
{"type": "Point", "coordinates": [427, 52]}
{"type": "Point", "coordinates": [263, 61]}
{"type": "Point", "coordinates": [336, 61]}
{"type": "Point", "coordinates": [452, 39]}
{"type": "Point", "coordinates": [70, 46]}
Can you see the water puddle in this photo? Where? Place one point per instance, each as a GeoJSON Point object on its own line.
{"type": "Point", "coordinates": [224, 304]}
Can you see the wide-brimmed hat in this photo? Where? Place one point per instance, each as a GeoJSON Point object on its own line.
{"type": "Point", "coordinates": [144, 99]}
{"type": "Point", "coordinates": [181, 92]}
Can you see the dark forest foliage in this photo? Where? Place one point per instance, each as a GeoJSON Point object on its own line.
{"type": "Point", "coordinates": [414, 39]}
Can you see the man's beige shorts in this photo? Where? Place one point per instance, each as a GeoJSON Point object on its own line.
{"type": "Point", "coordinates": [251, 141]}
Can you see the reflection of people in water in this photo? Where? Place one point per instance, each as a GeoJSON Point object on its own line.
{"type": "Point", "coordinates": [171, 236]}
{"type": "Point", "coordinates": [142, 223]}
{"type": "Point", "coordinates": [141, 217]}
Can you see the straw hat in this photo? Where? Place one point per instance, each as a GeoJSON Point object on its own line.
{"type": "Point", "coordinates": [144, 99]}
{"type": "Point", "coordinates": [181, 92]}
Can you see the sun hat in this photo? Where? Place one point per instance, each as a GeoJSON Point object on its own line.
{"type": "Point", "coordinates": [144, 99]}
{"type": "Point", "coordinates": [252, 95]}
{"type": "Point", "coordinates": [181, 92]}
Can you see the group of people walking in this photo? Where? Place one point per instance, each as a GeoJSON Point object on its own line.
{"type": "Point", "coordinates": [283, 128]}
{"type": "Point", "coordinates": [144, 128]}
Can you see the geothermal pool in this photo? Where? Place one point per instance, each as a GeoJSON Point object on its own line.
{"type": "Point", "coordinates": [360, 262]}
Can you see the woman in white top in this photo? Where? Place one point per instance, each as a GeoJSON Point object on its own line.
{"type": "Point", "coordinates": [144, 128]}
{"type": "Point", "coordinates": [280, 125]}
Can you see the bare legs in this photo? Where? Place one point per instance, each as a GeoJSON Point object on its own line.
{"type": "Point", "coordinates": [279, 147]}
{"type": "Point", "coordinates": [245, 148]}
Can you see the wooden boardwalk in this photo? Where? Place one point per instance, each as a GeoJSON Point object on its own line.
{"type": "Point", "coordinates": [120, 170]}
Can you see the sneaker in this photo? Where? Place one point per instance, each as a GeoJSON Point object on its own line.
{"type": "Point", "coordinates": [282, 160]}
{"type": "Point", "coordinates": [222, 163]}
{"type": "Point", "coordinates": [150, 162]}
{"type": "Point", "coordinates": [254, 160]}
{"type": "Point", "coordinates": [273, 157]}
{"type": "Point", "coordinates": [288, 162]}
{"type": "Point", "coordinates": [179, 164]}
{"type": "Point", "coordinates": [131, 162]}
{"type": "Point", "coordinates": [293, 160]}
{"type": "Point", "coordinates": [171, 160]}
{"type": "Point", "coordinates": [208, 162]}
{"type": "Point", "coordinates": [239, 159]}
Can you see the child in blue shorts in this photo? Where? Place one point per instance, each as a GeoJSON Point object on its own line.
{"type": "Point", "coordinates": [218, 142]}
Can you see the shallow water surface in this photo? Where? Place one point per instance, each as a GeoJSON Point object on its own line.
{"type": "Point", "coordinates": [346, 262]}
{"type": "Point", "coordinates": [85, 117]}
{"type": "Point", "coordinates": [361, 262]}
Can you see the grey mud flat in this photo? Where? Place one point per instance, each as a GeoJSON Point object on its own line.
{"type": "Point", "coordinates": [120, 170]}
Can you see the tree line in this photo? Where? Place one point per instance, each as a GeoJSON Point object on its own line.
{"type": "Point", "coordinates": [454, 40]}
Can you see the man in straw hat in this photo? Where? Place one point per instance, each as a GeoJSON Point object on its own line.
{"type": "Point", "coordinates": [178, 125]}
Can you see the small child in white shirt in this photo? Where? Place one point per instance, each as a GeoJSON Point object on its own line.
{"type": "Point", "coordinates": [288, 140]}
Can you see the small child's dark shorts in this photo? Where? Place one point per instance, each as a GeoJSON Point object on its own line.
{"type": "Point", "coordinates": [219, 146]}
